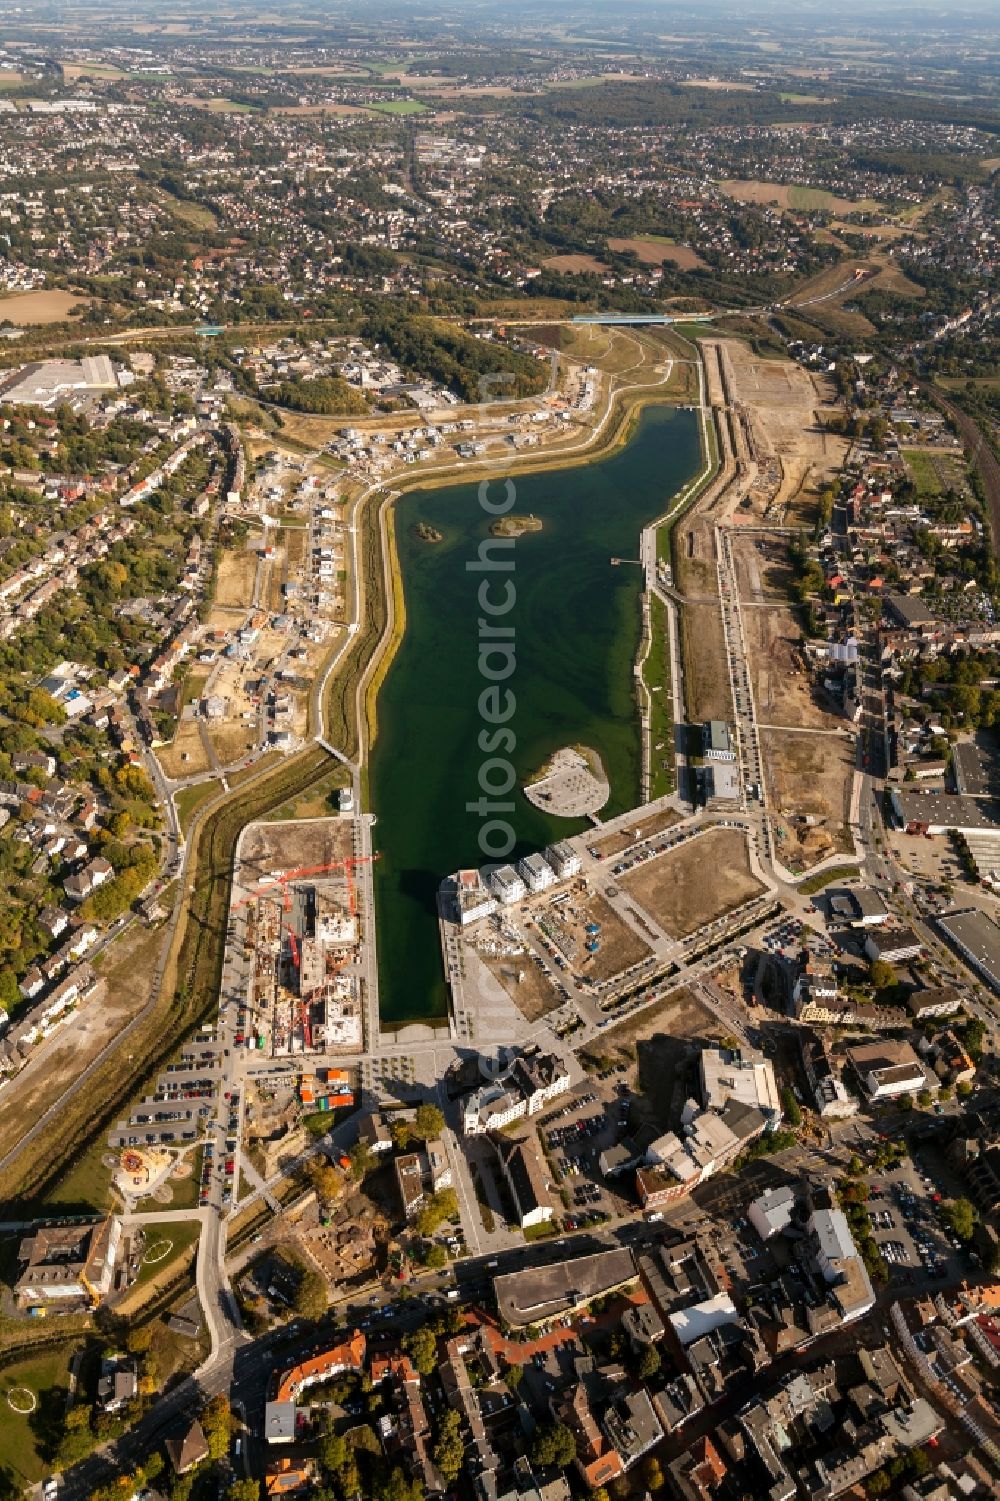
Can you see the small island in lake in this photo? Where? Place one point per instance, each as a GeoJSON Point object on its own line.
{"type": "Point", "coordinates": [515, 526]}
{"type": "Point", "coordinates": [571, 784]}
{"type": "Point", "coordinates": [427, 533]}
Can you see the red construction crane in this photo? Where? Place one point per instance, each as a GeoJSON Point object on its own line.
{"type": "Point", "coordinates": [282, 883]}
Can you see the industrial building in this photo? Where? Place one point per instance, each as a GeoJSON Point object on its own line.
{"type": "Point", "coordinates": [50, 382]}
{"type": "Point", "coordinates": [977, 938]}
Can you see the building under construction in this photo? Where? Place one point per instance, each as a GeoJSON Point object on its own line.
{"type": "Point", "coordinates": [305, 979]}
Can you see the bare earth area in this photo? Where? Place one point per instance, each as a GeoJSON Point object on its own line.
{"type": "Point", "coordinates": [808, 779]}
{"type": "Point", "coordinates": [696, 883]}
{"type": "Point", "coordinates": [653, 252]}
{"type": "Point", "coordinates": [40, 307]}
{"type": "Point", "coordinates": [615, 843]}
{"type": "Point", "coordinates": [273, 849]}
{"type": "Point", "coordinates": [782, 683]}
{"type": "Point", "coordinates": [572, 264]}
{"type": "Point", "coordinates": [128, 970]}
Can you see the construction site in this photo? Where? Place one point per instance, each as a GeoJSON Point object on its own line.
{"type": "Point", "coordinates": [302, 935]}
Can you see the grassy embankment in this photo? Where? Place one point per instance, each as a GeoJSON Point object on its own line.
{"type": "Point", "coordinates": [656, 676]}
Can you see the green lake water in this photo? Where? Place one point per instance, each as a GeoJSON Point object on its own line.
{"type": "Point", "coordinates": [576, 621]}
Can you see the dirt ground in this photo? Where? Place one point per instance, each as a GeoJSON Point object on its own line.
{"type": "Point", "coordinates": [707, 693]}
{"type": "Point", "coordinates": [615, 843]}
{"type": "Point", "coordinates": [782, 401]}
{"type": "Point", "coordinates": [763, 571]}
{"type": "Point", "coordinates": [574, 263]}
{"type": "Point", "coordinates": [233, 740]}
{"type": "Point", "coordinates": [527, 984]}
{"type": "Point", "coordinates": [653, 252]}
{"type": "Point", "coordinates": [185, 756]}
{"type": "Point", "coordinates": [783, 687]}
{"type": "Point", "coordinates": [620, 947]}
{"type": "Point", "coordinates": [236, 577]}
{"type": "Point", "coordinates": [128, 969]}
{"type": "Point", "coordinates": [40, 307]}
{"type": "Point", "coordinates": [809, 776]}
{"type": "Point", "coordinates": [268, 848]}
{"type": "Point", "coordinates": [701, 880]}
{"type": "Point", "coordinates": [656, 1045]}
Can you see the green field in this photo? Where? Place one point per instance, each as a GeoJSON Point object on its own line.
{"type": "Point", "coordinates": [809, 198]}
{"type": "Point", "coordinates": [180, 1236]}
{"type": "Point", "coordinates": [399, 107]}
{"type": "Point", "coordinates": [923, 471]}
{"type": "Point", "coordinates": [87, 1185]}
{"type": "Point", "coordinates": [656, 675]}
{"type": "Point", "coordinates": [21, 1435]}
{"type": "Point", "coordinates": [189, 799]}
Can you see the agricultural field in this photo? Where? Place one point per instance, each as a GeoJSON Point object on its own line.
{"type": "Point", "coordinates": [690, 886]}
{"type": "Point", "coordinates": [574, 265]}
{"type": "Point", "coordinates": [40, 307]}
{"type": "Point", "coordinates": [653, 250]}
{"type": "Point", "coordinates": [797, 197]}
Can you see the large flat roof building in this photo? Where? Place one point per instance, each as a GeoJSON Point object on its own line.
{"type": "Point", "coordinates": [52, 381]}
{"type": "Point", "coordinates": [743, 1075]}
{"type": "Point", "coordinates": [977, 938]}
{"type": "Point", "coordinates": [539, 1294]}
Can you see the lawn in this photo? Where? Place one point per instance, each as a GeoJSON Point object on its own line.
{"type": "Point", "coordinates": [166, 1242]}
{"type": "Point", "coordinates": [316, 801]}
{"type": "Point", "coordinates": [44, 1383]}
{"type": "Point", "coordinates": [400, 107]}
{"type": "Point", "coordinates": [87, 1184]}
{"type": "Point", "coordinates": [656, 675]}
{"type": "Point", "coordinates": [189, 799]}
{"type": "Point", "coordinates": [923, 471]}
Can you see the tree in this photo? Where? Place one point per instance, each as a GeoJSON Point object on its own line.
{"type": "Point", "coordinates": [961, 1216]}
{"type": "Point", "coordinates": [243, 1490]}
{"type": "Point", "coordinates": [790, 1106]}
{"type": "Point", "coordinates": [449, 1448]}
{"type": "Point", "coordinates": [440, 1207]}
{"type": "Point", "coordinates": [218, 1424]}
{"type": "Point", "coordinates": [878, 1484]}
{"type": "Point", "coordinates": [421, 1346]}
{"type": "Point", "coordinates": [428, 1122]}
{"type": "Point", "coordinates": [401, 1135]}
{"type": "Point", "coordinates": [974, 1035]}
{"type": "Point", "coordinates": [362, 1160]}
{"type": "Point", "coordinates": [652, 1473]}
{"type": "Point", "coordinates": [436, 1257]}
{"type": "Point", "coordinates": [325, 1179]}
{"type": "Point", "coordinates": [311, 1299]}
{"type": "Point", "coordinates": [882, 974]}
{"type": "Point", "coordinates": [514, 1376]}
{"type": "Point", "coordinates": [649, 1363]}
{"type": "Point", "coordinates": [553, 1444]}
{"type": "Point", "coordinates": [924, 1098]}
{"type": "Point", "coordinates": [333, 1454]}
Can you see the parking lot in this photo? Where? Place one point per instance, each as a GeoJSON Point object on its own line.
{"type": "Point", "coordinates": [576, 1134]}
{"type": "Point", "coordinates": [904, 1206]}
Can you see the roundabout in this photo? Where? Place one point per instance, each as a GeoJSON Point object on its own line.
{"type": "Point", "coordinates": [21, 1400]}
